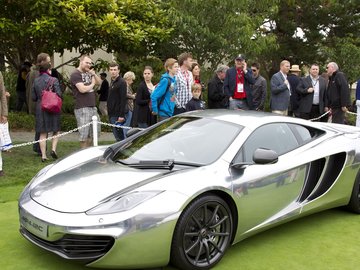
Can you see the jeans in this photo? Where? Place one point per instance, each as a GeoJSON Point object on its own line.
{"type": "Point", "coordinates": [236, 104]}
{"type": "Point", "coordinates": [118, 132]}
{"type": "Point", "coordinates": [142, 125]}
{"type": "Point", "coordinates": [127, 123]}
{"type": "Point", "coordinates": [285, 113]}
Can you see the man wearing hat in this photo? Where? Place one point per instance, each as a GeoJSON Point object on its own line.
{"type": "Point", "coordinates": [294, 79]}
{"type": "Point", "coordinates": [103, 94]}
{"type": "Point", "coordinates": [237, 85]}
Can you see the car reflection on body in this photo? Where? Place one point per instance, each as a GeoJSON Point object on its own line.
{"type": "Point", "coordinates": [187, 188]}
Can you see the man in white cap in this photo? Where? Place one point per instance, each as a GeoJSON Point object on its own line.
{"type": "Point", "coordinates": [294, 79]}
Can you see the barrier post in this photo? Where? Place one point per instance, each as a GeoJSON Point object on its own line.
{"type": "Point", "coordinates": [95, 131]}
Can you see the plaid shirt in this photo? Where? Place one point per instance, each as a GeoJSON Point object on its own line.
{"type": "Point", "coordinates": [184, 81]}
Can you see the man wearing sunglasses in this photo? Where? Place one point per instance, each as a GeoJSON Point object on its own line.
{"type": "Point", "coordinates": [259, 88]}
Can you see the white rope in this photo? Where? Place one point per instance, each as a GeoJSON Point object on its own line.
{"type": "Point", "coordinates": [321, 116]}
{"type": "Point", "coordinates": [116, 126]}
{"type": "Point", "coordinates": [53, 137]}
{"type": "Point", "coordinates": [69, 132]}
{"type": "Point", "coordinates": [352, 113]}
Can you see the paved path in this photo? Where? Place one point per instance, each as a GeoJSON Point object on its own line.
{"type": "Point", "coordinates": [25, 136]}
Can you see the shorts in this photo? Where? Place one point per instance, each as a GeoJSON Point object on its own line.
{"type": "Point", "coordinates": [84, 116]}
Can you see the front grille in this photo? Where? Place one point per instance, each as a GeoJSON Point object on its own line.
{"type": "Point", "coordinates": [75, 247]}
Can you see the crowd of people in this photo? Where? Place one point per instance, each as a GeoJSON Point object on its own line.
{"type": "Point", "coordinates": [239, 87]}
{"type": "Point", "coordinates": [180, 89]}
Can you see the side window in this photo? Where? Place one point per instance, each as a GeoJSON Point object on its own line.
{"type": "Point", "coordinates": [305, 134]}
{"type": "Point", "coordinates": [277, 137]}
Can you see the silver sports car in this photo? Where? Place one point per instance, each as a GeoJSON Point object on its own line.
{"type": "Point", "coordinates": [187, 188]}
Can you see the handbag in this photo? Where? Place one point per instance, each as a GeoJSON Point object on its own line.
{"type": "Point", "coordinates": [5, 140]}
{"type": "Point", "coordinates": [50, 101]}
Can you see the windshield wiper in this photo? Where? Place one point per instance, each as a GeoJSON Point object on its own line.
{"type": "Point", "coordinates": [158, 164]}
{"type": "Point", "coordinates": [151, 164]}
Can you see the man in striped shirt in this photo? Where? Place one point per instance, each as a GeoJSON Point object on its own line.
{"type": "Point", "coordinates": [184, 81]}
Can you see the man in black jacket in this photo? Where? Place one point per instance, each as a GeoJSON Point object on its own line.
{"type": "Point", "coordinates": [259, 88]}
{"type": "Point", "coordinates": [312, 91]}
{"type": "Point", "coordinates": [216, 97]}
{"type": "Point", "coordinates": [338, 93]}
{"type": "Point", "coordinates": [117, 101]}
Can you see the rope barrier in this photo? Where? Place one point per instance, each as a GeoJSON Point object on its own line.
{"type": "Point", "coordinates": [71, 131]}
{"type": "Point", "coordinates": [321, 116]}
{"type": "Point", "coordinates": [352, 113]}
{"type": "Point", "coordinates": [53, 137]}
{"type": "Point", "coordinates": [117, 126]}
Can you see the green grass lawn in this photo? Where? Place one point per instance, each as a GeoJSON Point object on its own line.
{"type": "Point", "coordinates": [327, 240]}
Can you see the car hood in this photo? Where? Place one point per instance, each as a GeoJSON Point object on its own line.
{"type": "Point", "coordinates": [84, 186]}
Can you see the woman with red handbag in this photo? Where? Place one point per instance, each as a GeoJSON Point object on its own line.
{"type": "Point", "coordinates": [48, 105]}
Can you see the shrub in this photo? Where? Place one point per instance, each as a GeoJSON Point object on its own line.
{"type": "Point", "coordinates": [21, 121]}
{"type": "Point", "coordinates": [68, 103]}
{"type": "Point", "coordinates": [68, 122]}
{"type": "Point", "coordinates": [10, 80]}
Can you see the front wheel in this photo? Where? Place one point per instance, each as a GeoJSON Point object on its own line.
{"type": "Point", "coordinates": [202, 234]}
{"type": "Point", "coordinates": [354, 204]}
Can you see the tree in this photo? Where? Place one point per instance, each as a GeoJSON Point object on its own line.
{"type": "Point", "coordinates": [317, 31]}
{"type": "Point", "coordinates": [33, 26]}
{"type": "Point", "coordinates": [215, 31]}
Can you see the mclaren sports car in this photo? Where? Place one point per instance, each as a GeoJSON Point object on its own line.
{"type": "Point", "coordinates": [186, 189]}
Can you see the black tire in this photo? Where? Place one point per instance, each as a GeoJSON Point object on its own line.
{"type": "Point", "coordinates": [202, 234]}
{"type": "Point", "coordinates": [354, 204]}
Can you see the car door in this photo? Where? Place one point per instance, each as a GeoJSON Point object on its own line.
{"type": "Point", "coordinates": [265, 193]}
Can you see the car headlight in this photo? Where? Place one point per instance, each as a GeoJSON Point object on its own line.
{"type": "Point", "coordinates": [26, 191]}
{"type": "Point", "coordinates": [123, 203]}
{"type": "Point", "coordinates": [42, 172]}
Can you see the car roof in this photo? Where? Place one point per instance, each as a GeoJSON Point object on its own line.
{"type": "Point", "coordinates": [249, 119]}
{"type": "Point", "coordinates": [254, 119]}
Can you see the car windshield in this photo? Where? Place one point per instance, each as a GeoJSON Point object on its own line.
{"type": "Point", "coordinates": [182, 139]}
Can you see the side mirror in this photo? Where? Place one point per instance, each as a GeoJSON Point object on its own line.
{"type": "Point", "coordinates": [133, 131]}
{"type": "Point", "coordinates": [265, 156]}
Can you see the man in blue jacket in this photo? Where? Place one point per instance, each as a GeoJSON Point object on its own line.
{"type": "Point", "coordinates": [164, 96]}
{"type": "Point", "coordinates": [237, 85]}
{"type": "Point", "coordinates": [280, 89]}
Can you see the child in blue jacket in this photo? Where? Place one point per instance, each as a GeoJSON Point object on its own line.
{"type": "Point", "coordinates": [163, 97]}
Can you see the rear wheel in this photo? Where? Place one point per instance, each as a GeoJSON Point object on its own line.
{"type": "Point", "coordinates": [202, 234]}
{"type": "Point", "coordinates": [354, 204]}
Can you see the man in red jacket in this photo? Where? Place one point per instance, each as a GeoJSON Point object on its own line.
{"type": "Point", "coordinates": [237, 85]}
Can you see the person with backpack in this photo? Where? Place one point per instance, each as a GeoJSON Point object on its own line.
{"type": "Point", "coordinates": [164, 95]}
